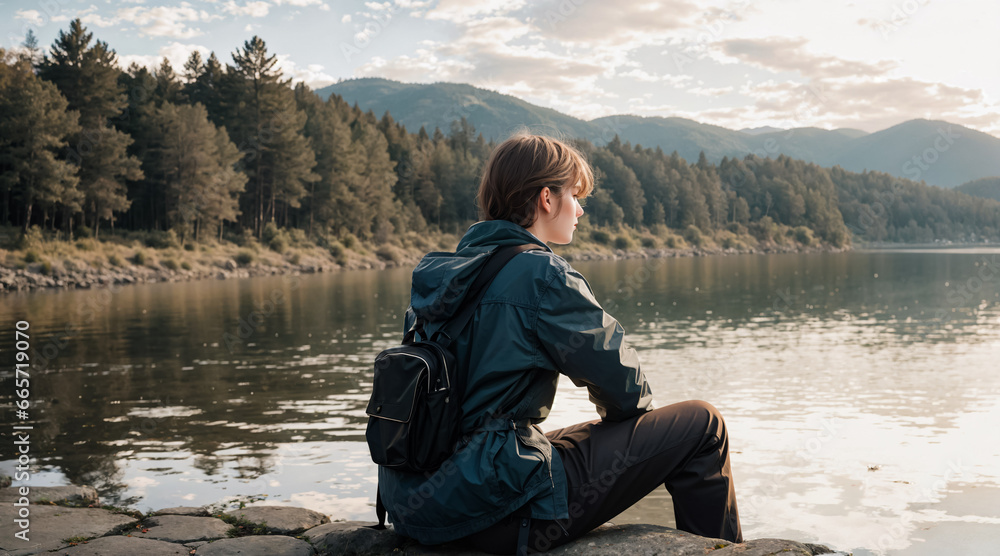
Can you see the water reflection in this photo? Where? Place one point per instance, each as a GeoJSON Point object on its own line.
{"type": "Point", "coordinates": [825, 366]}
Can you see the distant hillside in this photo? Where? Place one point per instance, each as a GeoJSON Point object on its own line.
{"type": "Point", "coordinates": [759, 130]}
{"type": "Point", "coordinates": [987, 188]}
{"type": "Point", "coordinates": [687, 137]}
{"type": "Point", "coordinates": [935, 151]}
{"type": "Point", "coordinates": [438, 104]}
{"type": "Point", "coordinates": [947, 154]}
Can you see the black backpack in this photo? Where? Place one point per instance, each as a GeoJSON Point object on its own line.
{"type": "Point", "coordinates": [415, 411]}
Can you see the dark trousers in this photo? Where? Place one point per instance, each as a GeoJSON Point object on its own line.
{"type": "Point", "coordinates": [610, 466]}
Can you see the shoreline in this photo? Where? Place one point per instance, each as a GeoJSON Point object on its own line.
{"type": "Point", "coordinates": [72, 521]}
{"type": "Point", "coordinates": [33, 277]}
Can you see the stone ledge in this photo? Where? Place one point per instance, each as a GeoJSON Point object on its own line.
{"type": "Point", "coordinates": [70, 495]}
{"type": "Point", "coordinates": [263, 545]}
{"type": "Point", "coordinates": [183, 529]}
{"type": "Point", "coordinates": [355, 538]}
{"type": "Point", "coordinates": [125, 546]}
{"type": "Point", "coordinates": [51, 526]}
{"type": "Point", "coordinates": [176, 531]}
{"type": "Point", "coordinates": [281, 520]}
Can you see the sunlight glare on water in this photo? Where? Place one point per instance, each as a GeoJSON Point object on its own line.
{"type": "Point", "coordinates": [860, 389]}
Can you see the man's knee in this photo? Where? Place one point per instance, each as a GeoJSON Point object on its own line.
{"type": "Point", "coordinates": [706, 413]}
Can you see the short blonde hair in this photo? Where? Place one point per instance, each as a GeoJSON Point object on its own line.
{"type": "Point", "coordinates": [520, 167]}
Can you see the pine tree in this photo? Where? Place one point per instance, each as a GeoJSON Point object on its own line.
{"type": "Point", "coordinates": [206, 84]}
{"type": "Point", "coordinates": [622, 184]}
{"type": "Point", "coordinates": [168, 85]}
{"type": "Point", "coordinates": [329, 136]}
{"type": "Point", "coordinates": [88, 77]}
{"type": "Point", "coordinates": [293, 160]}
{"type": "Point", "coordinates": [148, 209]}
{"type": "Point", "coordinates": [31, 54]}
{"type": "Point", "coordinates": [195, 160]}
{"type": "Point", "coordinates": [372, 185]}
{"type": "Point", "coordinates": [267, 126]}
{"type": "Point", "coordinates": [34, 127]}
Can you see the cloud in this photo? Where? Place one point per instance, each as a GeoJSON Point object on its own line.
{"type": "Point", "coordinates": [503, 54]}
{"type": "Point", "coordinates": [346, 19]}
{"type": "Point", "coordinates": [463, 11]}
{"type": "Point", "coordinates": [176, 53]}
{"type": "Point", "coordinates": [789, 54]}
{"type": "Point", "coordinates": [298, 3]}
{"type": "Point", "coordinates": [711, 91]}
{"type": "Point", "coordinates": [831, 91]}
{"type": "Point", "coordinates": [158, 21]}
{"type": "Point", "coordinates": [644, 77]}
{"type": "Point", "coordinates": [624, 23]}
{"type": "Point", "coordinates": [31, 16]}
{"type": "Point", "coordinates": [312, 75]}
{"type": "Point", "coordinates": [252, 9]}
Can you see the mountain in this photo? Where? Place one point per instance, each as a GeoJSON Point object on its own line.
{"type": "Point", "coordinates": [935, 151]}
{"type": "Point", "coordinates": [987, 188]}
{"type": "Point", "coordinates": [494, 114]}
{"type": "Point", "coordinates": [852, 133]}
{"type": "Point", "coordinates": [687, 137]}
{"type": "Point", "coordinates": [759, 130]}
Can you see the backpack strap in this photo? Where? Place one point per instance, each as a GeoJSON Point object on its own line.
{"type": "Point", "coordinates": [498, 259]}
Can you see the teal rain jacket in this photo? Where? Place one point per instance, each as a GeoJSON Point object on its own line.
{"type": "Point", "coordinates": [538, 318]}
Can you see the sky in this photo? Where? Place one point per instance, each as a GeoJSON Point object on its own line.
{"type": "Point", "coordinates": [743, 63]}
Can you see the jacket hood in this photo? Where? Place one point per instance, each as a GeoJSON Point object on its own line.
{"type": "Point", "coordinates": [441, 279]}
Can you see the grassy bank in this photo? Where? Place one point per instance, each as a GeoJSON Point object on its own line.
{"type": "Point", "coordinates": [44, 259]}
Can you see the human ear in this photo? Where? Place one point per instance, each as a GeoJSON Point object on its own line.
{"type": "Point", "coordinates": [544, 199]}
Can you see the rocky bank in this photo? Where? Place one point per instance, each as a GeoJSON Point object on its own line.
{"type": "Point", "coordinates": [35, 276]}
{"type": "Point", "coordinates": [70, 521]}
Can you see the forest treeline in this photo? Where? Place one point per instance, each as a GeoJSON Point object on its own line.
{"type": "Point", "coordinates": [213, 149]}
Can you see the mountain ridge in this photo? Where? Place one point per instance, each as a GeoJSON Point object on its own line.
{"type": "Point", "coordinates": [935, 151]}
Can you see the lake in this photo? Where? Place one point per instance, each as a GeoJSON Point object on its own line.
{"type": "Point", "coordinates": [860, 389]}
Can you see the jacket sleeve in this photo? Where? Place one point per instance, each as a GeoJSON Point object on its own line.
{"type": "Point", "coordinates": [408, 319]}
{"type": "Point", "coordinates": [588, 345]}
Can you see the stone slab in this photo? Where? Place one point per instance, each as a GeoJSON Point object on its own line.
{"type": "Point", "coordinates": [70, 494]}
{"type": "Point", "coordinates": [282, 520]}
{"type": "Point", "coordinates": [182, 528]}
{"type": "Point", "coordinates": [193, 511]}
{"type": "Point", "coordinates": [262, 545]}
{"type": "Point", "coordinates": [352, 538]}
{"type": "Point", "coordinates": [767, 547]}
{"type": "Point", "coordinates": [50, 525]}
{"type": "Point", "coordinates": [119, 545]}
